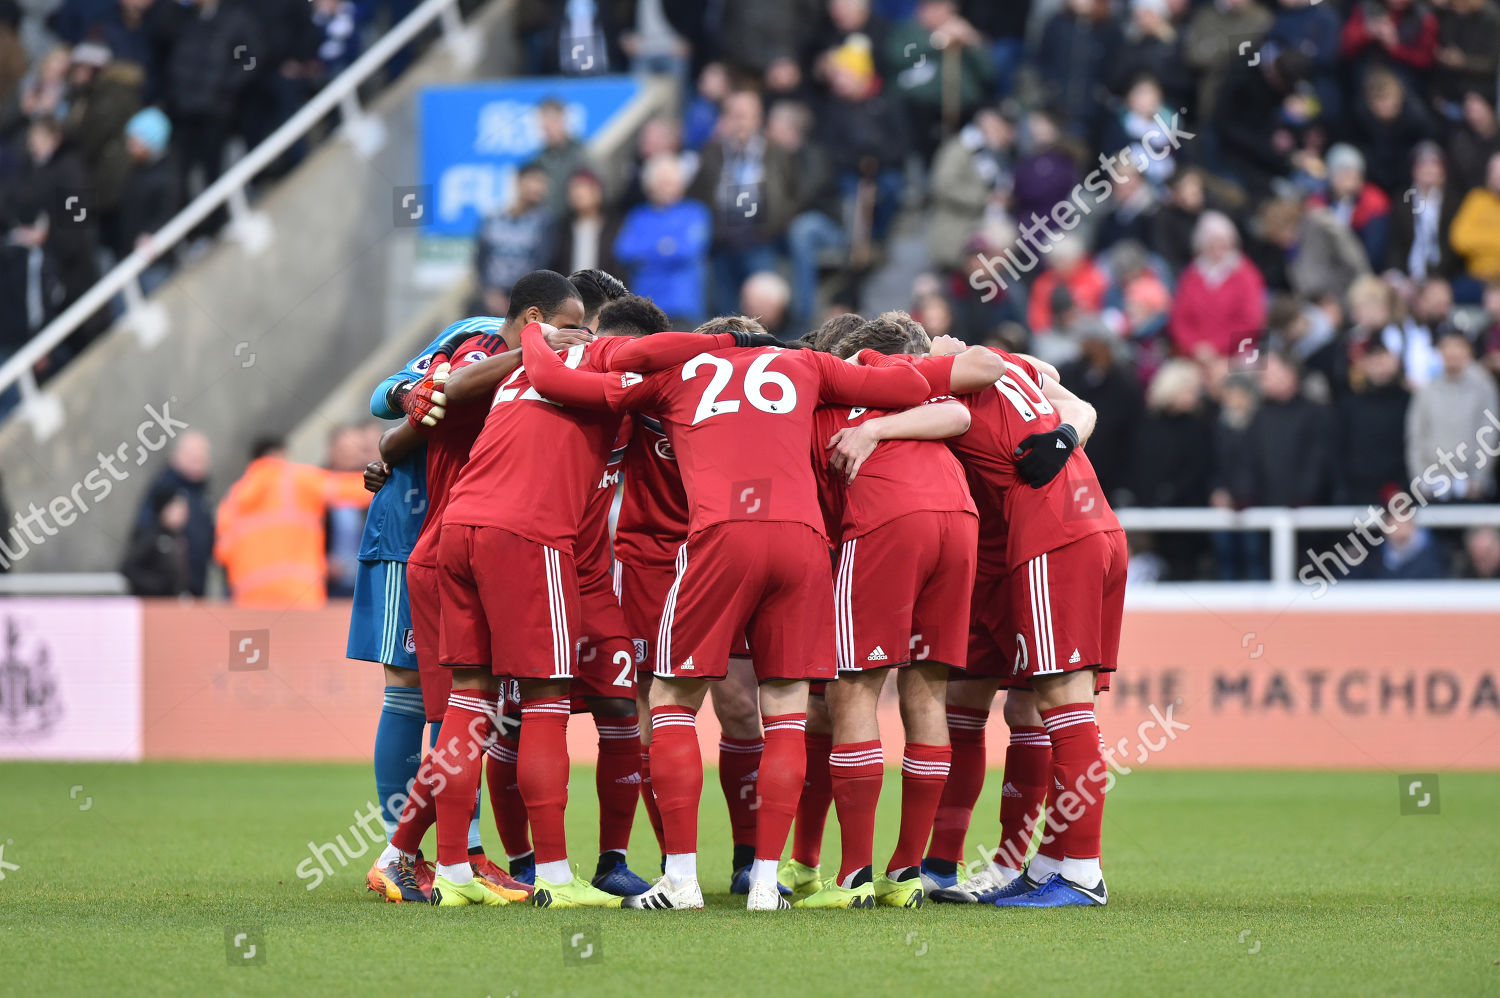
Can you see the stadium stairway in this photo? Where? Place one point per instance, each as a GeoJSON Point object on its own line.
{"type": "Point", "coordinates": [906, 256]}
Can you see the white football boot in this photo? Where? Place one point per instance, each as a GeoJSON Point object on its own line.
{"type": "Point", "coordinates": [666, 895]}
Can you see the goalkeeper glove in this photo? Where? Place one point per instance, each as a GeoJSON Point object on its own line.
{"type": "Point", "coordinates": [1042, 455]}
{"type": "Point", "coordinates": [424, 402]}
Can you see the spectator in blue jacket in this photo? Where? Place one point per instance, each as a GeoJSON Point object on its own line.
{"type": "Point", "coordinates": [663, 244]}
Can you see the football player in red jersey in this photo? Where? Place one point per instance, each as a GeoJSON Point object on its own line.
{"type": "Point", "coordinates": [606, 683]}
{"type": "Point", "coordinates": [652, 528]}
{"type": "Point", "coordinates": [448, 439]}
{"type": "Point", "coordinates": [755, 562]}
{"type": "Point", "coordinates": [450, 443]}
{"type": "Point", "coordinates": [1067, 560]}
{"type": "Point", "coordinates": [907, 530]}
{"type": "Point", "coordinates": [509, 587]}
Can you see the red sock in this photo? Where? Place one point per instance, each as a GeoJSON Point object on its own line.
{"type": "Point", "coordinates": [779, 787]}
{"type": "Point", "coordinates": [1054, 840]}
{"type": "Point", "coordinates": [420, 811]}
{"type": "Point", "coordinates": [648, 797]}
{"type": "Point", "coordinates": [817, 796]}
{"type": "Point", "coordinates": [467, 726]}
{"type": "Point", "coordinates": [1028, 773]}
{"type": "Point", "coordinates": [857, 768]}
{"type": "Point", "coordinates": [1079, 764]}
{"type": "Point", "coordinates": [677, 775]}
{"type": "Point", "coordinates": [924, 771]}
{"type": "Point", "coordinates": [617, 779]}
{"type": "Point", "coordinates": [965, 780]}
{"type": "Point", "coordinates": [505, 798]}
{"type": "Point", "coordinates": [542, 771]}
{"type": "Point", "coordinates": [739, 759]}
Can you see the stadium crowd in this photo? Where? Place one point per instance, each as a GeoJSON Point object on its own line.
{"type": "Point", "coordinates": [114, 113]}
{"type": "Point", "coordinates": [1232, 224]}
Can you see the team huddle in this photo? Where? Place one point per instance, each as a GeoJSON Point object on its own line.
{"type": "Point", "coordinates": [795, 522]}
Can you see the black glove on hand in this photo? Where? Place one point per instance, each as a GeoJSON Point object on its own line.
{"type": "Point", "coordinates": [1042, 455]}
{"type": "Point", "coordinates": [395, 397]}
{"type": "Point", "coordinates": [744, 339]}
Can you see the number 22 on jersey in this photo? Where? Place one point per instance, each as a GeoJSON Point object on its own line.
{"type": "Point", "coordinates": [505, 393]}
{"type": "Point", "coordinates": [757, 378]}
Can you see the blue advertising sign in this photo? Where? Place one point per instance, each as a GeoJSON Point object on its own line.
{"type": "Point", "coordinates": [476, 136]}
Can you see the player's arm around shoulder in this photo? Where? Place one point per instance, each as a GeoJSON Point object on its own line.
{"type": "Point", "coordinates": [1071, 409]}
{"type": "Point", "coordinates": [938, 419]}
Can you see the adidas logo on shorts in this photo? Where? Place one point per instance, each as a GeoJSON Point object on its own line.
{"type": "Point", "coordinates": [878, 655]}
{"type": "Point", "coordinates": [1074, 658]}
{"type": "Point", "coordinates": [686, 665]}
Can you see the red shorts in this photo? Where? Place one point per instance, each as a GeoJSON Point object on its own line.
{"type": "Point", "coordinates": [643, 592]}
{"type": "Point", "coordinates": [902, 592]}
{"type": "Point", "coordinates": [767, 580]}
{"type": "Point", "coordinates": [508, 604]}
{"type": "Point", "coordinates": [992, 637]}
{"type": "Point", "coordinates": [606, 653]}
{"type": "Point", "coordinates": [1067, 607]}
{"type": "Point", "coordinates": [422, 594]}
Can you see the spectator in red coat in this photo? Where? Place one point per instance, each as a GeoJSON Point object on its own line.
{"type": "Point", "coordinates": [1354, 201]}
{"type": "Point", "coordinates": [1401, 34]}
{"type": "Point", "coordinates": [1221, 297]}
{"type": "Point", "coordinates": [1070, 267]}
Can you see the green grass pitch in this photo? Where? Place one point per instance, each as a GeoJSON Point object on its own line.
{"type": "Point", "coordinates": [1221, 884]}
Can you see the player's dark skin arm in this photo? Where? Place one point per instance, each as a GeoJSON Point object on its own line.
{"type": "Point", "coordinates": [399, 441]}
{"type": "Point", "coordinates": [478, 380]}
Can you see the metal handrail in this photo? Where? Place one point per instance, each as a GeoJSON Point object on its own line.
{"type": "Point", "coordinates": [340, 92]}
{"type": "Point", "coordinates": [1283, 523]}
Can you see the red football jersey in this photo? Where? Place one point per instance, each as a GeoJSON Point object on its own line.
{"type": "Point", "coordinates": [741, 422]}
{"type": "Point", "coordinates": [653, 505]}
{"type": "Point", "coordinates": [592, 552]}
{"type": "Point", "coordinates": [448, 446]}
{"type": "Point", "coordinates": [535, 463]}
{"type": "Point", "coordinates": [991, 563]}
{"type": "Point", "coordinates": [1070, 506]}
{"type": "Point", "coordinates": [900, 477]}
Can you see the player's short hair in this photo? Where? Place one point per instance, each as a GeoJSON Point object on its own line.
{"type": "Point", "coordinates": [547, 290]}
{"type": "Point", "coordinates": [730, 324]}
{"type": "Point", "coordinates": [835, 328]}
{"type": "Point", "coordinates": [880, 334]}
{"type": "Point", "coordinates": [916, 333]}
{"type": "Point", "coordinates": [632, 316]}
{"type": "Point", "coordinates": [597, 288]}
